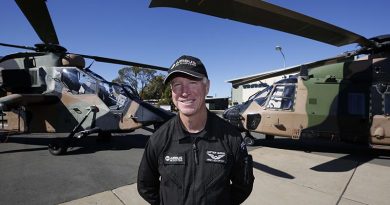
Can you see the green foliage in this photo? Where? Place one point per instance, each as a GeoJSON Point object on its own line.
{"type": "Point", "coordinates": [136, 77]}
{"type": "Point", "coordinates": [147, 82]}
{"type": "Point", "coordinates": [154, 89]}
{"type": "Point", "coordinates": [166, 98]}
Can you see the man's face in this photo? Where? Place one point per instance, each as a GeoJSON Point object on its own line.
{"type": "Point", "coordinates": [188, 94]}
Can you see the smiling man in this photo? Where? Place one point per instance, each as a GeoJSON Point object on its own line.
{"type": "Point", "coordinates": [196, 157]}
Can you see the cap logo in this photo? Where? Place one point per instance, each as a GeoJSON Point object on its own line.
{"type": "Point", "coordinates": [184, 62]}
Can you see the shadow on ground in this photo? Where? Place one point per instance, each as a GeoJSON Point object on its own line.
{"type": "Point", "coordinates": [89, 144]}
{"type": "Point", "coordinates": [348, 156]}
{"type": "Point", "coordinates": [320, 145]}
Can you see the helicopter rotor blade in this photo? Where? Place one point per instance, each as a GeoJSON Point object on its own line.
{"type": "Point", "coordinates": [38, 15]}
{"type": "Point", "coordinates": [261, 13]}
{"type": "Point", "coordinates": [17, 46]}
{"type": "Point", "coordinates": [123, 62]}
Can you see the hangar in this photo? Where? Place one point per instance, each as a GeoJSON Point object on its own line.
{"type": "Point", "coordinates": [244, 87]}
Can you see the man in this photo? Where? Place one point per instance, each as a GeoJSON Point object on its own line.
{"type": "Point", "coordinates": [196, 157]}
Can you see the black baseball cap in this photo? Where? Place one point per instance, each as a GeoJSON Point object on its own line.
{"type": "Point", "coordinates": [187, 65]}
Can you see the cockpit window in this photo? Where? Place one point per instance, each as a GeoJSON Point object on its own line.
{"type": "Point", "coordinates": [282, 97]}
{"type": "Point", "coordinates": [261, 96]}
{"type": "Point", "coordinates": [88, 84]}
{"type": "Point", "coordinates": [262, 93]}
{"type": "Point", "coordinates": [70, 77]}
{"type": "Point", "coordinates": [131, 91]}
{"type": "Point", "coordinates": [79, 83]}
{"type": "Point", "coordinates": [112, 95]}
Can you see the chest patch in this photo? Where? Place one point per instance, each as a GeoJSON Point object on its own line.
{"type": "Point", "coordinates": [216, 157]}
{"type": "Point", "coordinates": [170, 158]}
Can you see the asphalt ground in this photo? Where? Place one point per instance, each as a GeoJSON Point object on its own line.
{"type": "Point", "coordinates": [29, 174]}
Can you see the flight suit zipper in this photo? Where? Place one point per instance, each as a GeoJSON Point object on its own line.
{"type": "Point", "coordinates": [195, 150]}
{"type": "Point", "coordinates": [196, 159]}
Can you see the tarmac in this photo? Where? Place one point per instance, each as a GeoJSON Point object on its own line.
{"type": "Point", "coordinates": [291, 177]}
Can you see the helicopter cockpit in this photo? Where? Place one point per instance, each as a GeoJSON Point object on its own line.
{"type": "Point", "coordinates": [260, 97]}
{"type": "Point", "coordinates": [283, 94]}
{"type": "Point", "coordinates": [115, 96]}
{"type": "Point", "coordinates": [279, 96]}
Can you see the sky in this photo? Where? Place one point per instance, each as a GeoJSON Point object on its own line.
{"type": "Point", "coordinates": [129, 30]}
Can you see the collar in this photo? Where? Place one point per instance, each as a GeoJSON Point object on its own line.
{"type": "Point", "coordinates": [208, 131]}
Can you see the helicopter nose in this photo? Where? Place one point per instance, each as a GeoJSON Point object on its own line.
{"type": "Point", "coordinates": [234, 117]}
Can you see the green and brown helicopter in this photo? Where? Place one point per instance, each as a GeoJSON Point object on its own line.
{"type": "Point", "coordinates": [52, 91]}
{"type": "Point", "coordinates": [343, 98]}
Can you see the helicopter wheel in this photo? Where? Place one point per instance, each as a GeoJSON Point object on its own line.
{"type": "Point", "coordinates": [269, 137]}
{"type": "Point", "coordinates": [249, 140]}
{"type": "Point", "coordinates": [57, 148]}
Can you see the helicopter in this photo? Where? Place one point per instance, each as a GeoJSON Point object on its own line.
{"type": "Point", "coordinates": [342, 98]}
{"type": "Point", "coordinates": [51, 90]}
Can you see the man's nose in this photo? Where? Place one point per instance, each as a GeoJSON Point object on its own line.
{"type": "Point", "coordinates": [186, 89]}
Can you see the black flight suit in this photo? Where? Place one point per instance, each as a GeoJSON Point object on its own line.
{"type": "Point", "coordinates": [210, 167]}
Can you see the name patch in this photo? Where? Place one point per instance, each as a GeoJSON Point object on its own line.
{"type": "Point", "coordinates": [216, 157]}
{"type": "Point", "coordinates": [174, 158]}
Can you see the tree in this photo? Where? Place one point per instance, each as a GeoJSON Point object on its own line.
{"type": "Point", "coordinates": [154, 89]}
{"type": "Point", "coordinates": [147, 83]}
{"type": "Point", "coordinates": [136, 77]}
{"type": "Point", "coordinates": [166, 97]}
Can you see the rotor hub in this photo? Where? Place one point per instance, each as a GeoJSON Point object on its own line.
{"type": "Point", "coordinates": [50, 48]}
{"type": "Point", "coordinates": [73, 60]}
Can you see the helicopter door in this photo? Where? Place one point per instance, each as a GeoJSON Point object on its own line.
{"type": "Point", "coordinates": [278, 113]}
{"type": "Point", "coordinates": [353, 112]}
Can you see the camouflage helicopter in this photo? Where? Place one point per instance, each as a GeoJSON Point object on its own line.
{"type": "Point", "coordinates": [343, 98]}
{"type": "Point", "coordinates": [52, 91]}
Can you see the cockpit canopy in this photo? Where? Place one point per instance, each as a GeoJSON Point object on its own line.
{"type": "Point", "coordinates": [70, 77]}
{"type": "Point", "coordinates": [79, 82]}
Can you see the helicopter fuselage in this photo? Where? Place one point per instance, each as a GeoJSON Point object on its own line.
{"type": "Point", "coordinates": [40, 94]}
{"type": "Point", "coordinates": [345, 101]}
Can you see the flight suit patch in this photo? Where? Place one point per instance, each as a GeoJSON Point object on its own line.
{"type": "Point", "coordinates": [177, 158]}
{"type": "Point", "coordinates": [216, 157]}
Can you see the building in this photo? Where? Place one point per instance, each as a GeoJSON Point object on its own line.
{"type": "Point", "coordinates": [244, 87]}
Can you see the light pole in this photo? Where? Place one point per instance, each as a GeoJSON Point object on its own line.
{"type": "Point", "coordinates": [279, 48]}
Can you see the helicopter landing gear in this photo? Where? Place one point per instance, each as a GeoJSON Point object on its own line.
{"type": "Point", "coordinates": [58, 147]}
{"type": "Point", "coordinates": [61, 145]}
{"type": "Point", "coordinates": [249, 139]}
